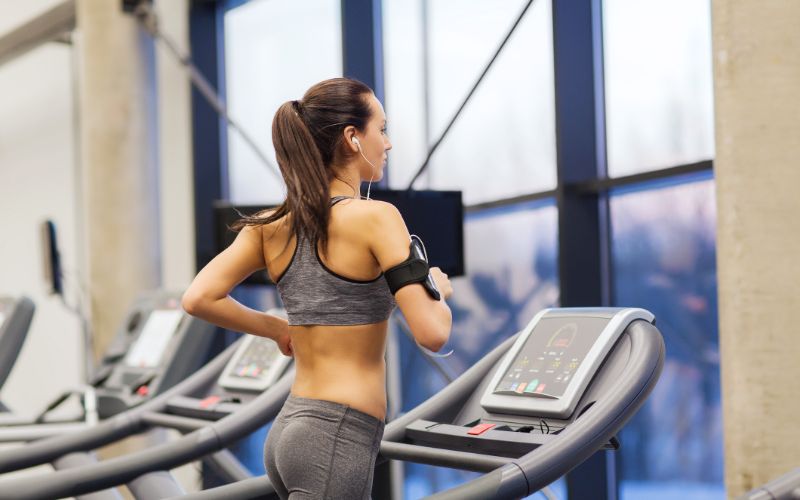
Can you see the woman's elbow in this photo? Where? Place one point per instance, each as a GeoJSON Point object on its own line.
{"type": "Point", "coordinates": [192, 302]}
{"type": "Point", "coordinates": [434, 339]}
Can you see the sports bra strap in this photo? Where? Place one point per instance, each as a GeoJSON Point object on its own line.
{"type": "Point", "coordinates": [337, 199]}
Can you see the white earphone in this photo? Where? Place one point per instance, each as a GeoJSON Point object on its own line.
{"type": "Point", "coordinates": [358, 145]}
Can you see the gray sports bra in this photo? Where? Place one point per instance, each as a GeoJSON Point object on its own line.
{"type": "Point", "coordinates": [314, 295]}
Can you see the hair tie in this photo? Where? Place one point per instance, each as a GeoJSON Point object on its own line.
{"type": "Point", "coordinates": [298, 108]}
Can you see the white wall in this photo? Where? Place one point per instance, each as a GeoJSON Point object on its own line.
{"type": "Point", "coordinates": [40, 178]}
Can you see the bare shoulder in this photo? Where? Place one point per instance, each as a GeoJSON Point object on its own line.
{"type": "Point", "coordinates": [373, 212]}
{"type": "Point", "coordinates": [274, 228]}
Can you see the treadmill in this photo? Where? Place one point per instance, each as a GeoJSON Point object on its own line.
{"type": "Point", "coordinates": [16, 315]}
{"type": "Point", "coordinates": [157, 346]}
{"type": "Point", "coordinates": [240, 390]}
{"type": "Point", "coordinates": [528, 412]}
{"type": "Point", "coordinates": [532, 409]}
{"type": "Point", "coordinates": [786, 487]}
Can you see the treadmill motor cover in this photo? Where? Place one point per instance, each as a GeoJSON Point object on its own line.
{"type": "Point", "coordinates": [548, 368]}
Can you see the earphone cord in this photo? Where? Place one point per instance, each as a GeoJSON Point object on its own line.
{"type": "Point", "coordinates": [369, 186]}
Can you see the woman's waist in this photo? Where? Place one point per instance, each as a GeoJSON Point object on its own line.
{"type": "Point", "coordinates": [362, 389]}
{"type": "Point", "coordinates": [355, 347]}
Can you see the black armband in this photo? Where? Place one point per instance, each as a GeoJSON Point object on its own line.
{"type": "Point", "coordinates": [414, 269]}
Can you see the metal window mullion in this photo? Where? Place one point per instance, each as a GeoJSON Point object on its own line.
{"type": "Point", "coordinates": [208, 136]}
{"type": "Point", "coordinates": [583, 216]}
{"type": "Point", "coordinates": [362, 48]}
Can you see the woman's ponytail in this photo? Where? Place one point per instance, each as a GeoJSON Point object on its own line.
{"type": "Point", "coordinates": [307, 179]}
{"type": "Point", "coordinates": [307, 136]}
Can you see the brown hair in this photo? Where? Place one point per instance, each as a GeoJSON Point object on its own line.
{"type": "Point", "coordinates": [307, 135]}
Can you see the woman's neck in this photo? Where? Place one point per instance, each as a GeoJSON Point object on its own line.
{"type": "Point", "coordinates": [346, 183]}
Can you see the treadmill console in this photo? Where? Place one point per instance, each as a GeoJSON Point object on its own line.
{"type": "Point", "coordinates": [157, 346]}
{"type": "Point", "coordinates": [548, 368]}
{"type": "Point", "coordinates": [158, 330]}
{"type": "Point", "coordinates": [256, 365]}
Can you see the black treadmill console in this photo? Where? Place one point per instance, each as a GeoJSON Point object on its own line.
{"type": "Point", "coordinates": [552, 362]}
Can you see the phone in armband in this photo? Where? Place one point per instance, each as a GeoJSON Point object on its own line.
{"type": "Point", "coordinates": [418, 252]}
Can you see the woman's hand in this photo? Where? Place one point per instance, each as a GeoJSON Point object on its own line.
{"type": "Point", "coordinates": [284, 341]}
{"type": "Point", "coordinates": [442, 282]}
{"type": "Point", "coordinates": [277, 328]}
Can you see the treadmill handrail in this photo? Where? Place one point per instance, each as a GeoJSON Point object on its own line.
{"type": "Point", "coordinates": [254, 487]}
{"type": "Point", "coordinates": [785, 487]}
{"type": "Point", "coordinates": [225, 465]}
{"type": "Point", "coordinates": [463, 460]}
{"type": "Point", "coordinates": [538, 467]}
{"type": "Point", "coordinates": [110, 430]}
{"type": "Point", "coordinates": [184, 425]}
{"type": "Point", "coordinates": [119, 470]}
{"type": "Point", "coordinates": [19, 321]}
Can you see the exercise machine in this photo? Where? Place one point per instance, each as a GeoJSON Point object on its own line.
{"type": "Point", "coordinates": [16, 315]}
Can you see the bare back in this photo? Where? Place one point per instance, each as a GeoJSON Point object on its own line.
{"type": "Point", "coordinates": [344, 364]}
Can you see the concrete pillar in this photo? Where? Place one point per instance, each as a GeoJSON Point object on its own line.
{"type": "Point", "coordinates": [757, 100]}
{"type": "Point", "coordinates": [118, 130]}
{"type": "Point", "coordinates": [175, 136]}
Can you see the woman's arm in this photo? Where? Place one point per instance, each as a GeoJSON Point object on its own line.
{"type": "Point", "coordinates": [208, 296]}
{"type": "Point", "coordinates": [430, 320]}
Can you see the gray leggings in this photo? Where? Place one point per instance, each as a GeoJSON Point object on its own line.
{"type": "Point", "coordinates": [320, 449]}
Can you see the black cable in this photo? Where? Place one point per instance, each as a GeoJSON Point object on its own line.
{"type": "Point", "coordinates": [430, 359]}
{"type": "Point", "coordinates": [469, 96]}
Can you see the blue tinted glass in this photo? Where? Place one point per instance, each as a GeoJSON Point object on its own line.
{"type": "Point", "coordinates": [512, 273]}
{"type": "Point", "coordinates": [664, 260]}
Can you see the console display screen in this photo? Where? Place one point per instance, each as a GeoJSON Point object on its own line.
{"type": "Point", "coordinates": [550, 357]}
{"type": "Point", "coordinates": [257, 360]}
{"type": "Point", "coordinates": [152, 342]}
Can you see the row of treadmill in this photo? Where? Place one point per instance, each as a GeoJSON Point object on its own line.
{"type": "Point", "coordinates": [531, 410]}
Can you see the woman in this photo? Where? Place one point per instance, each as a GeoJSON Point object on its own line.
{"type": "Point", "coordinates": [327, 250]}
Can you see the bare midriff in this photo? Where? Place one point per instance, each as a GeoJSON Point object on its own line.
{"type": "Point", "coordinates": [343, 364]}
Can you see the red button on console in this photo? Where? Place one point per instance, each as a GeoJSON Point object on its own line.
{"type": "Point", "coordinates": [143, 390]}
{"type": "Point", "coordinates": [480, 429]}
{"type": "Point", "coordinates": [209, 401]}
